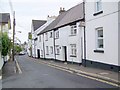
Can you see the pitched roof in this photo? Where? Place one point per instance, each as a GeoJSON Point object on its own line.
{"type": "Point", "coordinates": [4, 17]}
{"type": "Point", "coordinates": [54, 23]}
{"type": "Point", "coordinates": [37, 23]}
{"type": "Point", "coordinates": [74, 14]}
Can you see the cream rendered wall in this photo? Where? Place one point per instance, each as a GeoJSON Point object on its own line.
{"type": "Point", "coordinates": [109, 21]}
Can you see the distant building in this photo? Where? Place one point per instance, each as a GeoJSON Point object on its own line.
{"type": "Point", "coordinates": [35, 25]}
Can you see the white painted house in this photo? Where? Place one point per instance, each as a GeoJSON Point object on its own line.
{"type": "Point", "coordinates": [63, 38]}
{"type": "Point", "coordinates": [34, 29]}
{"type": "Point", "coordinates": [102, 34]}
{"type": "Point", "coordinates": [40, 48]}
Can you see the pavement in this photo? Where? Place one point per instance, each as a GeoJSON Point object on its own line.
{"type": "Point", "coordinates": [103, 75]}
{"type": "Point", "coordinates": [109, 76]}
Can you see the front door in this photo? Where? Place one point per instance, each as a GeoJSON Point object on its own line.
{"type": "Point", "coordinates": [38, 52]}
{"type": "Point", "coordinates": [65, 53]}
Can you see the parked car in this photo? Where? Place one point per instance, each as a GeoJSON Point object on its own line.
{"type": "Point", "coordinates": [22, 53]}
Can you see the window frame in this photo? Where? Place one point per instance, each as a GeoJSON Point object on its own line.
{"type": "Point", "coordinates": [57, 50]}
{"type": "Point", "coordinates": [98, 8]}
{"type": "Point", "coordinates": [51, 34]}
{"type": "Point", "coordinates": [99, 38]}
{"type": "Point", "coordinates": [73, 31]}
{"type": "Point", "coordinates": [51, 49]}
{"type": "Point", "coordinates": [73, 50]}
{"type": "Point", "coordinates": [47, 50]}
{"type": "Point", "coordinates": [46, 36]}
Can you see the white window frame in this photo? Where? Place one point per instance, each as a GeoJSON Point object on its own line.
{"type": "Point", "coordinates": [73, 50]}
{"type": "Point", "coordinates": [51, 34]}
{"type": "Point", "coordinates": [98, 5]}
{"type": "Point", "coordinates": [99, 38]}
{"type": "Point", "coordinates": [47, 50]}
{"type": "Point", "coordinates": [57, 34]}
{"type": "Point", "coordinates": [46, 36]}
{"type": "Point", "coordinates": [57, 50]}
{"type": "Point", "coordinates": [73, 31]}
{"type": "Point", "coordinates": [51, 49]}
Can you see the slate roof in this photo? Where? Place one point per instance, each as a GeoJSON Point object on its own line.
{"type": "Point", "coordinates": [37, 23]}
{"type": "Point", "coordinates": [74, 14]}
{"type": "Point", "coordinates": [4, 17]}
{"type": "Point", "coordinates": [53, 24]}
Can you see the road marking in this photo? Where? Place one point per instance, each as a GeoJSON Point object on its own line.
{"type": "Point", "coordinates": [18, 67]}
{"type": "Point", "coordinates": [100, 80]}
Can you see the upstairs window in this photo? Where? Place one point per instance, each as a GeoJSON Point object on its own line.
{"type": "Point", "coordinates": [98, 5]}
{"type": "Point", "coordinates": [51, 49]}
{"type": "Point", "coordinates": [46, 36]}
{"type": "Point", "coordinates": [99, 39]}
{"type": "Point", "coordinates": [51, 34]}
{"type": "Point", "coordinates": [57, 34]}
{"type": "Point", "coordinates": [73, 30]}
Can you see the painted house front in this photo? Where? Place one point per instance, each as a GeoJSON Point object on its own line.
{"type": "Point", "coordinates": [102, 29]}
{"type": "Point", "coordinates": [34, 29]}
{"type": "Point", "coordinates": [63, 38]}
{"type": "Point", "coordinates": [42, 37]}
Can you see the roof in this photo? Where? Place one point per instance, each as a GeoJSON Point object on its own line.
{"type": "Point", "coordinates": [37, 23]}
{"type": "Point", "coordinates": [4, 17]}
{"type": "Point", "coordinates": [53, 24]}
{"type": "Point", "coordinates": [74, 14]}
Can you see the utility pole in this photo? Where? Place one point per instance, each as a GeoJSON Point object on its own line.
{"type": "Point", "coordinates": [13, 51]}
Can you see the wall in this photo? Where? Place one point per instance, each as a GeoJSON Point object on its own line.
{"type": "Point", "coordinates": [119, 33]}
{"type": "Point", "coordinates": [109, 21]}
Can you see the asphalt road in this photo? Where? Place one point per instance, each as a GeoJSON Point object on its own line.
{"type": "Point", "coordinates": [36, 75]}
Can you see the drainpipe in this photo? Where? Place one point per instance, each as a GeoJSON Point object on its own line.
{"type": "Point", "coordinates": [84, 35]}
{"type": "Point", "coordinates": [43, 46]}
{"type": "Point", "coordinates": [54, 44]}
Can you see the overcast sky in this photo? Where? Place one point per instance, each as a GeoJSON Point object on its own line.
{"type": "Point", "coordinates": [26, 10]}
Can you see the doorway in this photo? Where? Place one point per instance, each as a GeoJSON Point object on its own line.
{"type": "Point", "coordinates": [38, 53]}
{"type": "Point", "coordinates": [65, 53]}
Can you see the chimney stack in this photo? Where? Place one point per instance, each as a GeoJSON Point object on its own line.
{"type": "Point", "coordinates": [61, 10]}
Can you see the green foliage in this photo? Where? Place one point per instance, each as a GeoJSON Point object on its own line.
{"type": "Point", "coordinates": [18, 49]}
{"type": "Point", "coordinates": [6, 44]}
{"type": "Point", "coordinates": [30, 36]}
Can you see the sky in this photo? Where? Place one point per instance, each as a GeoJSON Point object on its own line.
{"type": "Point", "coordinates": [26, 10]}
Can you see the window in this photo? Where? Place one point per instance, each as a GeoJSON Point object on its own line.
{"type": "Point", "coordinates": [47, 50]}
{"type": "Point", "coordinates": [51, 49]}
{"type": "Point", "coordinates": [73, 50]}
{"type": "Point", "coordinates": [57, 50]}
{"type": "Point", "coordinates": [51, 34]}
{"type": "Point", "coordinates": [98, 6]}
{"type": "Point", "coordinates": [73, 30]}
{"type": "Point", "coordinates": [40, 38]}
{"type": "Point", "coordinates": [46, 36]}
{"type": "Point", "coordinates": [99, 35]}
{"type": "Point", "coordinates": [57, 34]}
{"type": "Point", "coordinates": [42, 53]}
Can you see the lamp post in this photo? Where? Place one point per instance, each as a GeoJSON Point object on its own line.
{"type": "Point", "coordinates": [13, 51]}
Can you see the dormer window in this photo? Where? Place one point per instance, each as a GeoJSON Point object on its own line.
{"type": "Point", "coordinates": [73, 30]}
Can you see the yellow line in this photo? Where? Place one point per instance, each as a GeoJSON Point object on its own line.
{"type": "Point", "coordinates": [103, 81]}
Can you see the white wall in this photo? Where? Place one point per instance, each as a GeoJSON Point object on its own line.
{"type": "Point", "coordinates": [49, 43]}
{"type": "Point", "coordinates": [65, 39]}
{"type": "Point", "coordinates": [109, 21]}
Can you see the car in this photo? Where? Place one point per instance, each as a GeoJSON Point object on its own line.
{"type": "Point", "coordinates": [22, 53]}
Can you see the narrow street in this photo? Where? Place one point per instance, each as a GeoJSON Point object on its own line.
{"type": "Point", "coordinates": [36, 75]}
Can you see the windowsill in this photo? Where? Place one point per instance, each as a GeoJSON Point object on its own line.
{"type": "Point", "coordinates": [57, 54]}
{"type": "Point", "coordinates": [47, 54]}
{"type": "Point", "coordinates": [46, 40]}
{"type": "Point", "coordinates": [72, 35]}
{"type": "Point", "coordinates": [99, 51]}
{"type": "Point", "coordinates": [73, 56]}
{"type": "Point", "coordinates": [97, 13]}
{"type": "Point", "coordinates": [56, 38]}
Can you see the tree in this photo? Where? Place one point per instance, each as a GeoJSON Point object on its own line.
{"type": "Point", "coordinates": [6, 44]}
{"type": "Point", "coordinates": [18, 49]}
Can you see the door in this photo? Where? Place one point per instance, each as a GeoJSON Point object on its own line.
{"type": "Point", "coordinates": [65, 53]}
{"type": "Point", "coordinates": [38, 52]}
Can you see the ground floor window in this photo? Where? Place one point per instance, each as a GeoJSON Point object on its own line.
{"type": "Point", "coordinates": [51, 49]}
{"type": "Point", "coordinates": [73, 50]}
{"type": "Point", "coordinates": [47, 50]}
{"type": "Point", "coordinates": [57, 50]}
